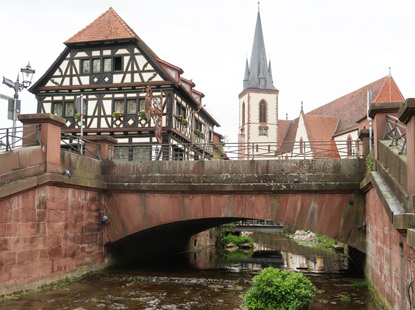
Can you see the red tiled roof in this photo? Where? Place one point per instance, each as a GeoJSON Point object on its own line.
{"type": "Point", "coordinates": [352, 107]}
{"type": "Point", "coordinates": [288, 141]}
{"type": "Point", "coordinates": [320, 131]}
{"type": "Point", "coordinates": [283, 126]}
{"type": "Point", "coordinates": [108, 26]}
{"type": "Point", "coordinates": [389, 93]}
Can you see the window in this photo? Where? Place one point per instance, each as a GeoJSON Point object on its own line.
{"type": "Point", "coordinates": [198, 125]}
{"type": "Point", "coordinates": [131, 106]}
{"type": "Point", "coordinates": [178, 153]}
{"type": "Point", "coordinates": [96, 66]}
{"type": "Point", "coordinates": [69, 109]}
{"type": "Point", "coordinates": [142, 153]}
{"type": "Point", "coordinates": [119, 106]}
{"type": "Point", "coordinates": [58, 108]}
{"type": "Point", "coordinates": [262, 112]}
{"type": "Point", "coordinates": [180, 110]}
{"type": "Point", "coordinates": [243, 113]}
{"type": "Point", "coordinates": [86, 66]}
{"type": "Point", "coordinates": [107, 64]}
{"type": "Point", "coordinates": [118, 63]}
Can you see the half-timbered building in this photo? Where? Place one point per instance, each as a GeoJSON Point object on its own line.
{"type": "Point", "coordinates": [109, 82]}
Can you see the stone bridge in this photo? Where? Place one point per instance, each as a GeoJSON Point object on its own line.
{"type": "Point", "coordinates": [50, 222]}
{"type": "Point", "coordinates": [182, 198]}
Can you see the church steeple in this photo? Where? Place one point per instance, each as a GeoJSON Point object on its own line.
{"type": "Point", "coordinates": [260, 75]}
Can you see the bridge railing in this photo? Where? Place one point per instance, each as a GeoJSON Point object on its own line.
{"type": "Point", "coordinates": [258, 223]}
{"type": "Point", "coordinates": [396, 132]}
{"type": "Point", "coordinates": [80, 146]}
{"type": "Point", "coordinates": [27, 135]}
{"type": "Point", "coordinates": [238, 151]}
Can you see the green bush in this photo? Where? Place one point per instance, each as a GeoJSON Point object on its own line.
{"type": "Point", "coordinates": [229, 239]}
{"type": "Point", "coordinates": [279, 290]}
{"type": "Point", "coordinates": [235, 239]}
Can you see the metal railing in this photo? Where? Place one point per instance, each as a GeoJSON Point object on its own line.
{"type": "Point", "coordinates": [25, 136]}
{"type": "Point", "coordinates": [238, 151]}
{"type": "Point", "coordinates": [258, 223]}
{"type": "Point", "coordinates": [396, 132]}
{"type": "Point", "coordinates": [80, 146]}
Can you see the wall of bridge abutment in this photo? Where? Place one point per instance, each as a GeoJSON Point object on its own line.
{"type": "Point", "coordinates": [389, 210]}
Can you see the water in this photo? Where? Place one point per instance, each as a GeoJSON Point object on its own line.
{"type": "Point", "coordinates": [204, 281]}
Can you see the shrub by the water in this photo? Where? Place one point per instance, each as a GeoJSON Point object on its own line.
{"type": "Point", "coordinates": [279, 290]}
{"type": "Point", "coordinates": [235, 239]}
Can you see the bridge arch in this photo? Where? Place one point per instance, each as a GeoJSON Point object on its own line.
{"type": "Point", "coordinates": [135, 215]}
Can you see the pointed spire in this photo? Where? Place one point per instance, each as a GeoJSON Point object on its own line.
{"type": "Point", "coordinates": [260, 76]}
{"type": "Point", "coordinates": [270, 72]}
{"type": "Point", "coordinates": [246, 76]}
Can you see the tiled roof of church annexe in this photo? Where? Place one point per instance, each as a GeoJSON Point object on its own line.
{"type": "Point", "coordinates": [320, 129]}
{"type": "Point", "coordinates": [352, 107]}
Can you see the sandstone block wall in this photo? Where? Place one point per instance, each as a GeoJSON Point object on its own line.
{"type": "Point", "coordinates": [390, 262]}
{"type": "Point", "coordinates": [46, 233]}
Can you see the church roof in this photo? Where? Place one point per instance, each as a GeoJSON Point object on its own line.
{"type": "Point", "coordinates": [353, 106]}
{"type": "Point", "coordinates": [258, 75]}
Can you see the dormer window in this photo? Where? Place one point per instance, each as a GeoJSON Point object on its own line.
{"type": "Point", "coordinates": [196, 97]}
{"type": "Point", "coordinates": [172, 72]}
{"type": "Point", "coordinates": [186, 86]}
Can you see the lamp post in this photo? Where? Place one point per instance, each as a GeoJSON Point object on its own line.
{"type": "Point", "coordinates": [27, 75]}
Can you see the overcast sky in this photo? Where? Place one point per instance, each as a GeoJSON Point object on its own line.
{"type": "Point", "coordinates": [320, 49]}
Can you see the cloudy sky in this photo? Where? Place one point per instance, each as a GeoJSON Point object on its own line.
{"type": "Point", "coordinates": [320, 49]}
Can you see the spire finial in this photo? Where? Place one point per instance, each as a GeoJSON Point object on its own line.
{"type": "Point", "coordinates": [390, 71]}
{"type": "Point", "coordinates": [301, 105]}
{"type": "Point", "coordinates": [259, 2]}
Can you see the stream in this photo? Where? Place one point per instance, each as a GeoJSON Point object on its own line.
{"type": "Point", "coordinates": [203, 279]}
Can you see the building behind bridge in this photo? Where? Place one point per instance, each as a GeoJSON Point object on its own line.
{"type": "Point", "coordinates": [128, 93]}
{"type": "Point", "coordinates": [331, 130]}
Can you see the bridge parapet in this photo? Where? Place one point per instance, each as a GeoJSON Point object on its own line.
{"type": "Point", "coordinates": [268, 175]}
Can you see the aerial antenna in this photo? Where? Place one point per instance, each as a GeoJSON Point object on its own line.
{"type": "Point", "coordinates": [390, 71]}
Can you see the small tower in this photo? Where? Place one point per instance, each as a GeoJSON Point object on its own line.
{"type": "Point", "coordinates": [258, 101]}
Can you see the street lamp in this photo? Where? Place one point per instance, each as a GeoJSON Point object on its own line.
{"type": "Point", "coordinates": [27, 75]}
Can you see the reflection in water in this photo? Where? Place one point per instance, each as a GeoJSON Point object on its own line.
{"type": "Point", "coordinates": [275, 250]}
{"type": "Point", "coordinates": [214, 282]}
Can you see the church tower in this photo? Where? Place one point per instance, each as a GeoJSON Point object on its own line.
{"type": "Point", "coordinates": [258, 101]}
